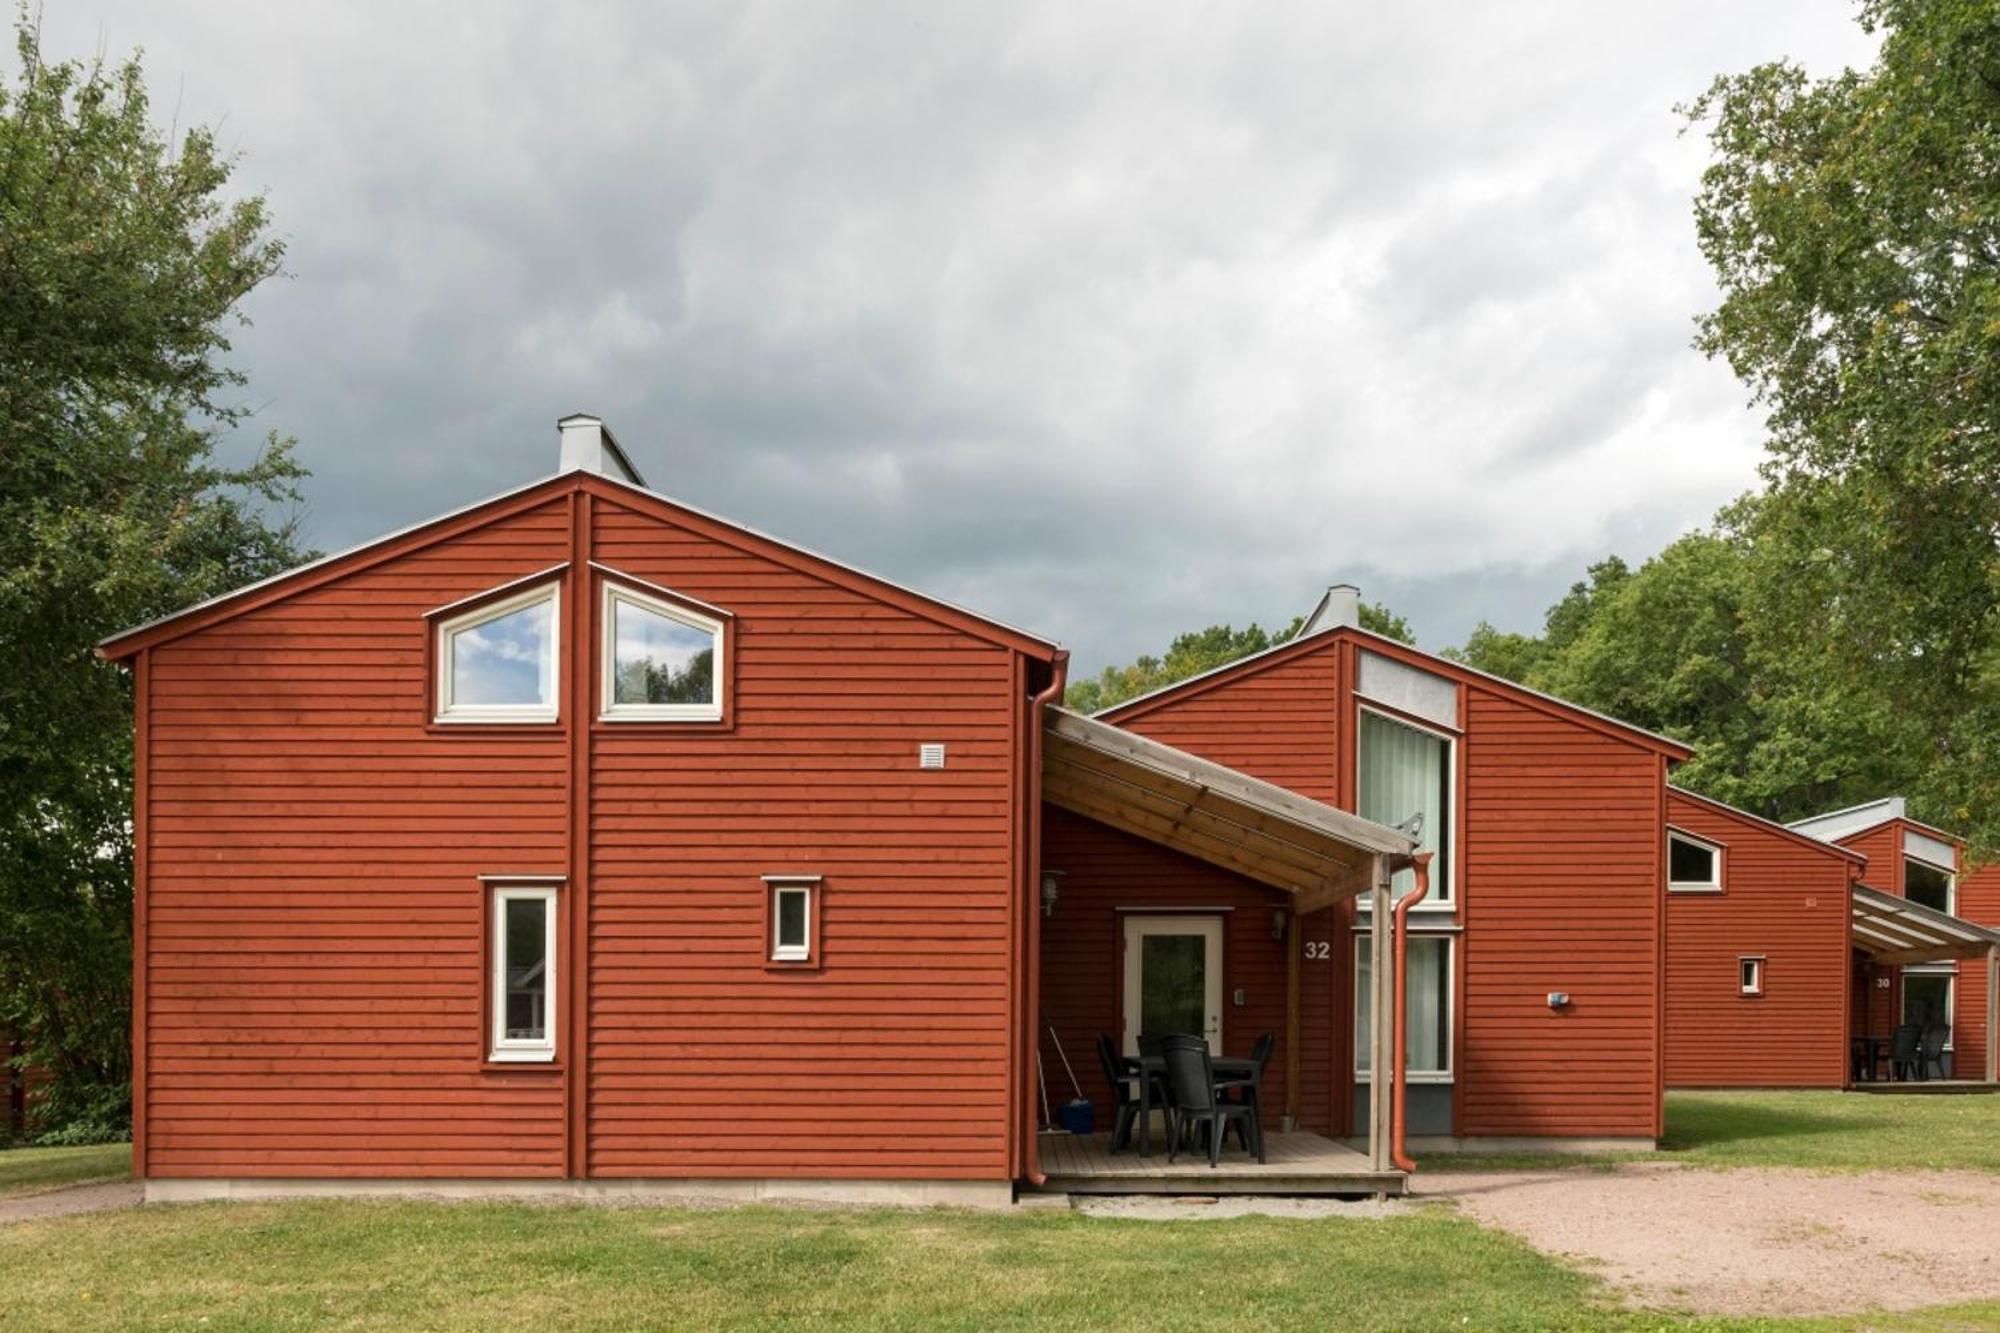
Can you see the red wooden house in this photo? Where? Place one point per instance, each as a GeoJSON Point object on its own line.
{"type": "Point", "coordinates": [1536, 961]}
{"type": "Point", "coordinates": [1923, 953]}
{"type": "Point", "coordinates": [580, 836]}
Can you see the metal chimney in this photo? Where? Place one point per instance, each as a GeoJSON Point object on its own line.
{"type": "Point", "coordinates": [1340, 607]}
{"type": "Point", "coordinates": [587, 446]}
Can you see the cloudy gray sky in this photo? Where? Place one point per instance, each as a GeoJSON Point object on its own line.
{"type": "Point", "coordinates": [1107, 320]}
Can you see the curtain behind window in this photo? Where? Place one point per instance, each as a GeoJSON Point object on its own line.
{"type": "Point", "coordinates": [1404, 772]}
{"type": "Point", "coordinates": [1427, 1044]}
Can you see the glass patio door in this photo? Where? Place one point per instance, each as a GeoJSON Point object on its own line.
{"type": "Point", "coordinates": [1173, 978]}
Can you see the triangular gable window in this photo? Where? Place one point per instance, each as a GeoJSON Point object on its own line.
{"type": "Point", "coordinates": [662, 661]}
{"type": "Point", "coordinates": [498, 662]}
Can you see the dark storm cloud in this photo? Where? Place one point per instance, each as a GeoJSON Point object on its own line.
{"type": "Point", "coordinates": [1110, 321]}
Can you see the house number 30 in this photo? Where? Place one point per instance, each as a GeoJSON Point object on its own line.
{"type": "Point", "coordinates": [1319, 950]}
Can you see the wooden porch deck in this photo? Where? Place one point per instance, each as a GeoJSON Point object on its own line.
{"type": "Point", "coordinates": [1299, 1163]}
{"type": "Point", "coordinates": [1936, 1087]}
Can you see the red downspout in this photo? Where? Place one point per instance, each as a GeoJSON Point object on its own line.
{"type": "Point", "coordinates": [1059, 674]}
{"type": "Point", "coordinates": [1398, 1057]}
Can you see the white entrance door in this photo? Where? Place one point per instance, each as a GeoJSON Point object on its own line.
{"type": "Point", "coordinates": [1173, 978]}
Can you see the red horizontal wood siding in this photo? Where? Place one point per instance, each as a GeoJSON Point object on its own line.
{"type": "Point", "coordinates": [891, 1058]}
{"type": "Point", "coordinates": [1978, 902]}
{"type": "Point", "coordinates": [1781, 899]}
{"type": "Point", "coordinates": [1104, 870]}
{"type": "Point", "coordinates": [312, 955]}
{"type": "Point", "coordinates": [1563, 840]}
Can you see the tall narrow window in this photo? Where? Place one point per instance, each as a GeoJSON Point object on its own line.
{"type": "Point", "coordinates": [1928, 885]}
{"type": "Point", "coordinates": [661, 662]}
{"type": "Point", "coordinates": [497, 663]}
{"type": "Point", "coordinates": [1427, 1050]}
{"type": "Point", "coordinates": [1693, 866]}
{"type": "Point", "coordinates": [523, 983]}
{"type": "Point", "coordinates": [1406, 771]}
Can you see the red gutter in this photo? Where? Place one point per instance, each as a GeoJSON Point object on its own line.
{"type": "Point", "coordinates": [1058, 675]}
{"type": "Point", "coordinates": [1398, 1057]}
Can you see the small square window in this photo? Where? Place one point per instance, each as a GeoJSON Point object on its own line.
{"type": "Point", "coordinates": [793, 926]}
{"type": "Point", "coordinates": [1750, 976]}
{"type": "Point", "coordinates": [1693, 866]}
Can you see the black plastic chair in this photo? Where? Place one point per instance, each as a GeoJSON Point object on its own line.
{"type": "Point", "coordinates": [1250, 1091]}
{"type": "Point", "coordinates": [1123, 1100]}
{"type": "Point", "coordinates": [1861, 1059]}
{"type": "Point", "coordinates": [1161, 1095]}
{"type": "Point", "coordinates": [1905, 1046]}
{"type": "Point", "coordinates": [1930, 1051]}
{"type": "Point", "coordinates": [1197, 1104]}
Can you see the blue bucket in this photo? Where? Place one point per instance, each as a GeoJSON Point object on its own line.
{"type": "Point", "coordinates": [1078, 1117]}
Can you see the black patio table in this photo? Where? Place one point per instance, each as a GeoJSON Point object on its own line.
{"type": "Point", "coordinates": [1872, 1051]}
{"type": "Point", "coordinates": [1229, 1073]}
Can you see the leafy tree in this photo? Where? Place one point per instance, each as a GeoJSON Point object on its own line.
{"type": "Point", "coordinates": [122, 266]}
{"type": "Point", "coordinates": [1853, 223]}
{"type": "Point", "coordinates": [1523, 657]}
{"type": "Point", "coordinates": [654, 682]}
{"type": "Point", "coordinates": [1202, 650]}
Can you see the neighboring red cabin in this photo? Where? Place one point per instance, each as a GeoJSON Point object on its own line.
{"type": "Point", "coordinates": [1942, 987]}
{"type": "Point", "coordinates": [1757, 950]}
{"type": "Point", "coordinates": [1535, 973]}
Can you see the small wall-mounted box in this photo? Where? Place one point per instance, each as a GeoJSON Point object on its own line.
{"type": "Point", "coordinates": [930, 754]}
{"type": "Point", "coordinates": [1558, 999]}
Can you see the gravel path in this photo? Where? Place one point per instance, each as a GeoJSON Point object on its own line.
{"type": "Point", "coordinates": [73, 1199]}
{"type": "Point", "coordinates": [1753, 1241]}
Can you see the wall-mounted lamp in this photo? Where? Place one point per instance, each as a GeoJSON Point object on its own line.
{"type": "Point", "coordinates": [1051, 892]}
{"type": "Point", "coordinates": [1278, 923]}
{"type": "Point", "coordinates": [1558, 999]}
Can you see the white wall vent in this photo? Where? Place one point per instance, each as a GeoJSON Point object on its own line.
{"type": "Point", "coordinates": [930, 754]}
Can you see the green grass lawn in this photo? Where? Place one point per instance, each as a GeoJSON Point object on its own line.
{"type": "Point", "coordinates": [494, 1266]}
{"type": "Point", "coordinates": [32, 1170]}
{"type": "Point", "coordinates": [1822, 1131]}
{"type": "Point", "coordinates": [357, 1265]}
{"type": "Point", "coordinates": [378, 1265]}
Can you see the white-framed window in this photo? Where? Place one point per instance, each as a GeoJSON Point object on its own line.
{"type": "Point", "coordinates": [662, 662]}
{"type": "Point", "coordinates": [1404, 770]}
{"type": "Point", "coordinates": [792, 924]}
{"type": "Point", "coordinates": [1694, 865]}
{"type": "Point", "coordinates": [522, 980]}
{"type": "Point", "coordinates": [1750, 975]}
{"type": "Point", "coordinates": [1427, 1047]}
{"type": "Point", "coordinates": [1930, 885]}
{"type": "Point", "coordinates": [499, 662]}
{"type": "Point", "coordinates": [1930, 998]}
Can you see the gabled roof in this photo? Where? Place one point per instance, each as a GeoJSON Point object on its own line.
{"type": "Point", "coordinates": [1306, 644]}
{"type": "Point", "coordinates": [125, 643]}
{"type": "Point", "coordinates": [1770, 825]}
{"type": "Point", "coordinates": [1838, 825]}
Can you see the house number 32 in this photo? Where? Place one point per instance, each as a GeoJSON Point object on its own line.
{"type": "Point", "coordinates": [1319, 950]}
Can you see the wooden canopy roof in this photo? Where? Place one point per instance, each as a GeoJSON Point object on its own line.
{"type": "Point", "coordinates": [1317, 853]}
{"type": "Point", "coordinates": [1896, 930]}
